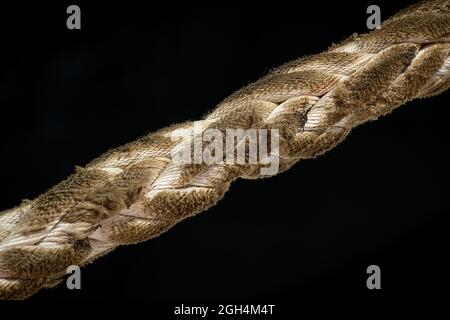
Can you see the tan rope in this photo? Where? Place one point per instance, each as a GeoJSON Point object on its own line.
{"type": "Point", "coordinates": [137, 191]}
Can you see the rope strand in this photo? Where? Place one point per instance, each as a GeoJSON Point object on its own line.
{"type": "Point", "coordinates": [136, 192]}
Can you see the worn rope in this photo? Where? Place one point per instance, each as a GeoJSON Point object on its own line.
{"type": "Point", "coordinates": [137, 191]}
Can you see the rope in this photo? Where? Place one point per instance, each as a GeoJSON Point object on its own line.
{"type": "Point", "coordinates": [136, 192]}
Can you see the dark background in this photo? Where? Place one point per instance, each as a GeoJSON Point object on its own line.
{"type": "Point", "coordinates": [67, 96]}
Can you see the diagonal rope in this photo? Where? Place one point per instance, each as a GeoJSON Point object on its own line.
{"type": "Point", "coordinates": [136, 192]}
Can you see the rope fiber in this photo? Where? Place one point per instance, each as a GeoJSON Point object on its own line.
{"type": "Point", "coordinates": [136, 192]}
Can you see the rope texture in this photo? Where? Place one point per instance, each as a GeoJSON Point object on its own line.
{"type": "Point", "coordinates": [136, 192]}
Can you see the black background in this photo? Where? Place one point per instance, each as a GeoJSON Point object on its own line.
{"type": "Point", "coordinates": [380, 197]}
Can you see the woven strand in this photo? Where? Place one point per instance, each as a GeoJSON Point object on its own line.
{"type": "Point", "coordinates": [136, 192]}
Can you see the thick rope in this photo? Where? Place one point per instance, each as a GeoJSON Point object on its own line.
{"type": "Point", "coordinates": [137, 191]}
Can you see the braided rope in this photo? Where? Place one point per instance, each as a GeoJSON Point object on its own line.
{"type": "Point", "coordinates": [137, 191]}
